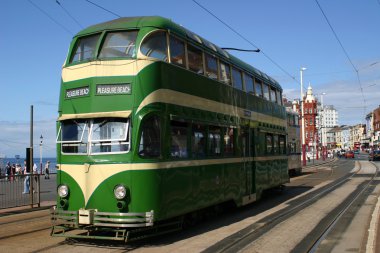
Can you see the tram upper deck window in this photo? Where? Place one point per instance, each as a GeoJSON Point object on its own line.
{"type": "Point", "coordinates": [278, 94]}
{"type": "Point", "coordinates": [154, 45]}
{"type": "Point", "coordinates": [119, 44]}
{"type": "Point", "coordinates": [266, 91]}
{"type": "Point", "coordinates": [237, 79]}
{"type": "Point", "coordinates": [258, 88]}
{"type": "Point", "coordinates": [248, 80]}
{"type": "Point", "coordinates": [109, 136]}
{"type": "Point", "coordinates": [225, 73]}
{"type": "Point", "coordinates": [273, 96]}
{"type": "Point", "coordinates": [73, 135]}
{"type": "Point", "coordinates": [211, 67]}
{"type": "Point", "coordinates": [195, 59]}
{"type": "Point", "coordinates": [84, 48]}
{"type": "Point", "coordinates": [177, 52]}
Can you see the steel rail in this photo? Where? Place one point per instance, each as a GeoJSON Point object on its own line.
{"type": "Point", "coordinates": [340, 214]}
{"type": "Point", "coordinates": [246, 238]}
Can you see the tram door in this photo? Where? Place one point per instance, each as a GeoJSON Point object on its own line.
{"type": "Point", "coordinates": [248, 163]}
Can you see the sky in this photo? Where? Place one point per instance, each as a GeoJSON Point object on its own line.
{"type": "Point", "coordinates": [291, 34]}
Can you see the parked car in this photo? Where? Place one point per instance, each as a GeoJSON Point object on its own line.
{"type": "Point", "coordinates": [341, 153]}
{"type": "Point", "coordinates": [374, 155]}
{"type": "Point", "coordinates": [350, 154]}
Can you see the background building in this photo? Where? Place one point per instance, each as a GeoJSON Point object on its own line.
{"type": "Point", "coordinates": [357, 134]}
{"type": "Point", "coordinates": [376, 128]}
{"type": "Point", "coordinates": [368, 141]}
{"type": "Point", "coordinates": [330, 116]}
{"type": "Point", "coordinates": [310, 114]}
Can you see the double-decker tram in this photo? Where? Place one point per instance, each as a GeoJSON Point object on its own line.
{"type": "Point", "coordinates": [294, 143]}
{"type": "Point", "coordinates": [155, 123]}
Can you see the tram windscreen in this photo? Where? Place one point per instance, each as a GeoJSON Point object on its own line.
{"type": "Point", "coordinates": [73, 135]}
{"type": "Point", "coordinates": [109, 135]}
{"type": "Point", "coordinates": [95, 136]}
{"type": "Point", "coordinates": [72, 131]}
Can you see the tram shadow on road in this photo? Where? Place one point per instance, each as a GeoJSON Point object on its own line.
{"type": "Point", "coordinates": [228, 215]}
{"type": "Point", "coordinates": [101, 244]}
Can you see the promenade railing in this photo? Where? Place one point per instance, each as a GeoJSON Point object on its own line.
{"type": "Point", "coordinates": [14, 191]}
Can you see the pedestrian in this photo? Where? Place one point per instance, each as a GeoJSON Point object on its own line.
{"type": "Point", "coordinates": [18, 171]}
{"type": "Point", "coordinates": [35, 172]}
{"type": "Point", "coordinates": [27, 179]}
{"type": "Point", "coordinates": [47, 172]}
{"type": "Point", "coordinates": [8, 171]}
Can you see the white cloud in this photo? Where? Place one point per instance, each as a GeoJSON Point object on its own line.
{"type": "Point", "coordinates": [15, 137]}
{"type": "Point", "coordinates": [346, 96]}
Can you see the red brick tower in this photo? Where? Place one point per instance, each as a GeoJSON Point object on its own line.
{"type": "Point", "coordinates": [310, 114]}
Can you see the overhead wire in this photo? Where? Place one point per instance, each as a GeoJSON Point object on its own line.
{"type": "Point", "coordinates": [101, 7]}
{"type": "Point", "coordinates": [51, 18]}
{"type": "Point", "coordinates": [67, 12]}
{"type": "Point", "coordinates": [345, 52]}
{"type": "Point", "coordinates": [246, 40]}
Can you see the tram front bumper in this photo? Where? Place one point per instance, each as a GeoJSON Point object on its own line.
{"type": "Point", "coordinates": [84, 218]}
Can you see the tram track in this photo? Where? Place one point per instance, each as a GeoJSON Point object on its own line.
{"type": "Point", "coordinates": [20, 225]}
{"type": "Point", "coordinates": [362, 192]}
{"type": "Point", "coordinates": [240, 240]}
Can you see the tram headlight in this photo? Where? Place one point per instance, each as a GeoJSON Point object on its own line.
{"type": "Point", "coordinates": [63, 191]}
{"type": "Point", "coordinates": [120, 192]}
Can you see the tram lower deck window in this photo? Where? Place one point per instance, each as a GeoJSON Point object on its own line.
{"type": "Point", "coordinates": [178, 148]}
{"type": "Point", "coordinates": [150, 140]}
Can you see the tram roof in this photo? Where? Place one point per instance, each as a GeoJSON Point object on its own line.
{"type": "Point", "coordinates": [164, 23]}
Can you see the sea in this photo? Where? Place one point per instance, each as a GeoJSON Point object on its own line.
{"type": "Point", "coordinates": [53, 162]}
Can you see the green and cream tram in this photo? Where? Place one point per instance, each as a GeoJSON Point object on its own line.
{"type": "Point", "coordinates": [294, 143]}
{"type": "Point", "coordinates": [156, 122]}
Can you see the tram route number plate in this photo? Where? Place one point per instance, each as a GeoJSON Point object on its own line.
{"type": "Point", "coordinates": [86, 216]}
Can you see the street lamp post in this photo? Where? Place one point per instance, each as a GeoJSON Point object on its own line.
{"type": "Point", "coordinates": [302, 120]}
{"type": "Point", "coordinates": [41, 139]}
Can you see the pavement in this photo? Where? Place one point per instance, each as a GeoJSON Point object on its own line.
{"type": "Point", "coordinates": [319, 162]}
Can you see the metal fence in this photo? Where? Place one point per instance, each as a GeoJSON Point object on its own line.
{"type": "Point", "coordinates": [14, 191]}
